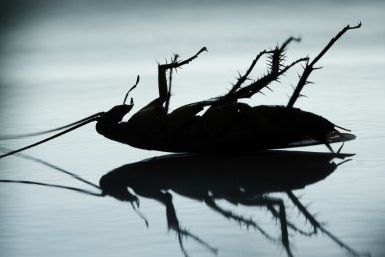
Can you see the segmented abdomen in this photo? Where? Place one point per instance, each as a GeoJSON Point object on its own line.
{"type": "Point", "coordinates": [239, 127]}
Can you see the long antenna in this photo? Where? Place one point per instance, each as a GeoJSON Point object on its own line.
{"type": "Point", "coordinates": [7, 137]}
{"type": "Point", "coordinates": [52, 166]}
{"type": "Point", "coordinates": [51, 137]}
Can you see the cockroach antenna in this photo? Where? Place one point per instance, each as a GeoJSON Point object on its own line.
{"type": "Point", "coordinates": [132, 88]}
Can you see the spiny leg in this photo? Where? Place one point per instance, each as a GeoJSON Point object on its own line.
{"type": "Point", "coordinates": [291, 225]}
{"type": "Point", "coordinates": [162, 79]}
{"type": "Point", "coordinates": [264, 82]}
{"type": "Point", "coordinates": [173, 223]}
{"type": "Point", "coordinates": [310, 66]}
{"type": "Point", "coordinates": [244, 77]}
{"type": "Point", "coordinates": [174, 60]}
{"type": "Point", "coordinates": [241, 220]}
{"type": "Point", "coordinates": [276, 57]}
{"type": "Point", "coordinates": [318, 225]}
{"type": "Point", "coordinates": [270, 202]}
{"type": "Point", "coordinates": [276, 69]}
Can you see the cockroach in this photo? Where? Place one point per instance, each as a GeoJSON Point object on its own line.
{"type": "Point", "coordinates": [240, 180]}
{"type": "Point", "coordinates": [246, 180]}
{"type": "Point", "coordinates": [226, 124]}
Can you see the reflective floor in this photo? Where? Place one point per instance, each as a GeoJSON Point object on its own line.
{"type": "Point", "coordinates": [82, 194]}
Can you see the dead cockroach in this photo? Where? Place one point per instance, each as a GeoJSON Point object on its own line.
{"type": "Point", "coordinates": [226, 125]}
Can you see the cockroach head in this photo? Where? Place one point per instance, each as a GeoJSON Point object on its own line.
{"type": "Point", "coordinates": [117, 112]}
{"type": "Point", "coordinates": [109, 119]}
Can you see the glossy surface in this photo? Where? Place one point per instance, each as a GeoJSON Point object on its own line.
{"type": "Point", "coordinates": [62, 61]}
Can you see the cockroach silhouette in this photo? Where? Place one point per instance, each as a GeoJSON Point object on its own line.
{"type": "Point", "coordinates": [247, 180]}
{"type": "Point", "coordinates": [226, 124]}
{"type": "Point", "coordinates": [241, 180]}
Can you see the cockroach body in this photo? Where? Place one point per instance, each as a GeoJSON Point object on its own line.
{"type": "Point", "coordinates": [221, 124]}
{"type": "Point", "coordinates": [235, 127]}
{"type": "Point", "coordinates": [226, 125]}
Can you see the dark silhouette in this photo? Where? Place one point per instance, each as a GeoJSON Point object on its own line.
{"type": "Point", "coordinates": [239, 179]}
{"type": "Point", "coordinates": [221, 124]}
{"type": "Point", "coordinates": [226, 124]}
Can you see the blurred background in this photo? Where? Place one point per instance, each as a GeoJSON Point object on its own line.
{"type": "Point", "coordinates": [61, 61]}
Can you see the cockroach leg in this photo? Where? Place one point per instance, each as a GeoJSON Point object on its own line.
{"type": "Point", "coordinates": [310, 65]}
{"type": "Point", "coordinates": [162, 80]}
{"type": "Point", "coordinates": [276, 69]}
{"type": "Point", "coordinates": [173, 224]}
{"type": "Point", "coordinates": [174, 60]}
{"type": "Point", "coordinates": [329, 147]}
{"type": "Point", "coordinates": [243, 78]}
{"type": "Point", "coordinates": [271, 203]}
{"type": "Point", "coordinates": [339, 149]}
{"type": "Point", "coordinates": [288, 41]}
{"type": "Point", "coordinates": [319, 226]}
{"type": "Point", "coordinates": [241, 220]}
